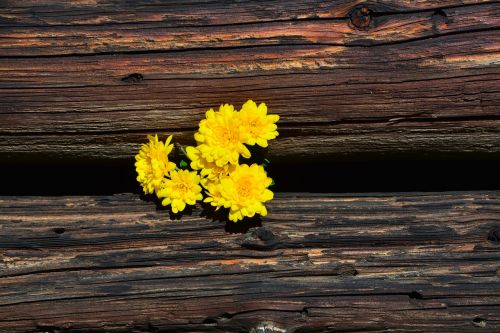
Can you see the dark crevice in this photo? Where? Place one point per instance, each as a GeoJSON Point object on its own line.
{"type": "Point", "coordinates": [486, 305]}
{"type": "Point", "coordinates": [133, 78]}
{"type": "Point", "coordinates": [210, 321]}
{"type": "Point", "coordinates": [415, 295]}
{"type": "Point", "coordinates": [322, 295]}
{"type": "Point", "coordinates": [222, 274]}
{"type": "Point", "coordinates": [388, 12]}
{"type": "Point", "coordinates": [124, 267]}
{"type": "Point", "coordinates": [161, 24]}
{"type": "Point", "coordinates": [143, 295]}
{"type": "Point", "coordinates": [479, 322]}
{"type": "Point", "coordinates": [155, 294]}
{"type": "Point", "coordinates": [369, 43]}
{"type": "Point", "coordinates": [59, 231]}
{"type": "Point", "coordinates": [330, 176]}
{"type": "Point", "coordinates": [156, 51]}
{"type": "Point", "coordinates": [112, 132]}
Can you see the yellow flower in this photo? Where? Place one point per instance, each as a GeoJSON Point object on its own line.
{"type": "Point", "coordinates": [152, 163]}
{"type": "Point", "coordinates": [215, 197]}
{"type": "Point", "coordinates": [243, 191]}
{"type": "Point", "coordinates": [209, 171]}
{"type": "Point", "coordinates": [257, 124]}
{"type": "Point", "coordinates": [220, 139]}
{"type": "Point", "coordinates": [182, 188]}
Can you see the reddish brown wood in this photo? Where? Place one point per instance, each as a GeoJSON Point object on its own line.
{"type": "Point", "coordinates": [364, 25]}
{"type": "Point", "coordinates": [200, 13]}
{"type": "Point", "coordinates": [317, 263]}
{"type": "Point", "coordinates": [86, 80]}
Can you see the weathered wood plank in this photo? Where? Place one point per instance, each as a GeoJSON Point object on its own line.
{"type": "Point", "coordinates": [413, 262]}
{"type": "Point", "coordinates": [386, 88]}
{"type": "Point", "coordinates": [440, 89]}
{"type": "Point", "coordinates": [365, 26]}
{"type": "Point", "coordinates": [200, 13]}
{"type": "Point", "coordinates": [308, 143]}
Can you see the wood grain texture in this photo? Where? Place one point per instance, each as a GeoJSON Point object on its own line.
{"type": "Point", "coordinates": [358, 28]}
{"type": "Point", "coordinates": [199, 13]}
{"type": "Point", "coordinates": [305, 144]}
{"type": "Point", "coordinates": [317, 263]}
{"type": "Point", "coordinates": [385, 78]}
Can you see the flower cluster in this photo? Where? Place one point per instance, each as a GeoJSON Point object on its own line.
{"type": "Point", "coordinates": [217, 172]}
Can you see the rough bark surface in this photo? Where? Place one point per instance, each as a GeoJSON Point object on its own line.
{"type": "Point", "coordinates": [87, 79]}
{"type": "Point", "coordinates": [317, 263]}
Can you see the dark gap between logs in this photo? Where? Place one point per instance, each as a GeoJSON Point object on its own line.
{"type": "Point", "coordinates": [323, 177]}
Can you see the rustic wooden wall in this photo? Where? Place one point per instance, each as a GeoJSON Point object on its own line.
{"type": "Point", "coordinates": [85, 81]}
{"type": "Point", "coordinates": [319, 263]}
{"type": "Point", "coordinates": [89, 79]}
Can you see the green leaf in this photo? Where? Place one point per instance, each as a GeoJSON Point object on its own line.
{"type": "Point", "coordinates": [265, 162]}
{"type": "Point", "coordinates": [183, 164]}
{"type": "Point", "coordinates": [272, 183]}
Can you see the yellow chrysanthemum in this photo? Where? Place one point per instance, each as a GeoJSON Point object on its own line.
{"type": "Point", "coordinates": [209, 171]}
{"type": "Point", "coordinates": [152, 163]}
{"type": "Point", "coordinates": [215, 197]}
{"type": "Point", "coordinates": [243, 191]}
{"type": "Point", "coordinates": [220, 139]}
{"type": "Point", "coordinates": [182, 188]}
{"type": "Point", "coordinates": [257, 124]}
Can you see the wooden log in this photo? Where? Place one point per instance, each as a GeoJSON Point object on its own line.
{"type": "Point", "coordinates": [377, 262]}
{"type": "Point", "coordinates": [307, 144]}
{"type": "Point", "coordinates": [364, 25]}
{"type": "Point", "coordinates": [86, 80]}
{"type": "Point", "coordinates": [200, 13]}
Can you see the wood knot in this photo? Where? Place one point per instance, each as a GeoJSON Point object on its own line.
{"type": "Point", "coordinates": [494, 235]}
{"type": "Point", "coordinates": [479, 322]}
{"type": "Point", "coordinates": [260, 239]}
{"type": "Point", "coordinates": [362, 17]}
{"type": "Point", "coordinates": [439, 20]}
{"type": "Point", "coordinates": [133, 78]}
